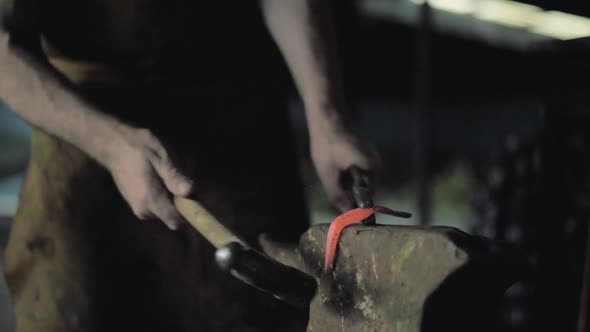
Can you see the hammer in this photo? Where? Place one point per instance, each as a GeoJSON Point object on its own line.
{"type": "Point", "coordinates": [251, 266]}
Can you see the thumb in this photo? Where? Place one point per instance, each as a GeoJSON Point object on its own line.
{"type": "Point", "coordinates": [176, 182]}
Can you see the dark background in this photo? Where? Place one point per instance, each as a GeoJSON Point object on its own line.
{"type": "Point", "coordinates": [485, 136]}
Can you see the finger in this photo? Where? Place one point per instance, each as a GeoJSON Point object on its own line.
{"type": "Point", "coordinates": [336, 193]}
{"type": "Point", "coordinates": [143, 213]}
{"type": "Point", "coordinates": [176, 182]}
{"type": "Point", "coordinates": [137, 198]}
{"type": "Point", "coordinates": [163, 208]}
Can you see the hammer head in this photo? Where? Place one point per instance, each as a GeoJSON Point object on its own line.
{"type": "Point", "coordinates": [260, 271]}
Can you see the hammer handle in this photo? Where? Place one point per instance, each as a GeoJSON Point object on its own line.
{"type": "Point", "coordinates": [205, 223]}
{"type": "Point", "coordinates": [250, 266]}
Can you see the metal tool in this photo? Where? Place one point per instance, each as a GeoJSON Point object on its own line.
{"type": "Point", "coordinates": [356, 180]}
{"type": "Point", "coordinates": [255, 268]}
{"type": "Point", "coordinates": [245, 263]}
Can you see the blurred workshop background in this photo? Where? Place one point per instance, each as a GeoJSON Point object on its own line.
{"type": "Point", "coordinates": [480, 111]}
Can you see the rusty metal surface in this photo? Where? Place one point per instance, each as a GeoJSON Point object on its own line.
{"type": "Point", "coordinates": [410, 279]}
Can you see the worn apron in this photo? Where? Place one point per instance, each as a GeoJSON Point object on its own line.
{"type": "Point", "coordinates": [79, 260]}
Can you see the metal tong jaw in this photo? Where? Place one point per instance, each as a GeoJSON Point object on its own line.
{"type": "Point", "coordinates": [356, 180]}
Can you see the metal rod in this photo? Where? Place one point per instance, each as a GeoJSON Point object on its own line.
{"type": "Point", "coordinates": [422, 114]}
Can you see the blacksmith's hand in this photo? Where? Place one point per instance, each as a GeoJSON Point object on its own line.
{"type": "Point", "coordinates": [147, 178]}
{"type": "Point", "coordinates": [335, 147]}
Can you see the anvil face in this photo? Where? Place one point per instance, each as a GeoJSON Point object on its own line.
{"type": "Point", "coordinates": [402, 278]}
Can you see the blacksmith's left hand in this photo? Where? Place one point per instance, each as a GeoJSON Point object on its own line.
{"type": "Point", "coordinates": [335, 147]}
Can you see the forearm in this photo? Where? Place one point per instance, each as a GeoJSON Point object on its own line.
{"type": "Point", "coordinates": [38, 96]}
{"type": "Point", "coordinates": [303, 32]}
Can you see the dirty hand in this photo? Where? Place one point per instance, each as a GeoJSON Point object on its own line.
{"type": "Point", "coordinates": [146, 177]}
{"type": "Point", "coordinates": [334, 149]}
